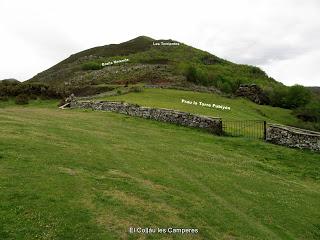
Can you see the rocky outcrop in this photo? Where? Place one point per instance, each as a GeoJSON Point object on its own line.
{"type": "Point", "coordinates": [213, 125]}
{"type": "Point", "coordinates": [252, 92]}
{"type": "Point", "coordinates": [293, 137]}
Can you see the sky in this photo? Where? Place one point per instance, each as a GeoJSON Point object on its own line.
{"type": "Point", "coordinates": [281, 37]}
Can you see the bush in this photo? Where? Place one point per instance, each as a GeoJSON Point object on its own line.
{"type": "Point", "coordinates": [22, 99]}
{"type": "Point", "coordinates": [309, 113]}
{"type": "Point", "coordinates": [119, 92]}
{"type": "Point", "coordinates": [32, 90]}
{"type": "Point", "coordinates": [290, 97]}
{"type": "Point", "coordinates": [278, 96]}
{"type": "Point", "coordinates": [298, 96]}
{"type": "Point", "coordinates": [4, 98]}
{"type": "Point", "coordinates": [33, 97]}
{"type": "Point", "coordinates": [226, 87]}
{"type": "Point", "coordinates": [197, 75]}
{"type": "Point", "coordinates": [136, 89]}
{"type": "Point", "coordinates": [91, 66]}
{"type": "Point", "coordinates": [191, 74]}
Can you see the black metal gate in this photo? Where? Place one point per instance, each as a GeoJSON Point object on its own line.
{"type": "Point", "coordinates": [246, 128]}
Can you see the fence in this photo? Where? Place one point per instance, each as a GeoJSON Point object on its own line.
{"type": "Point", "coordinates": [247, 128]}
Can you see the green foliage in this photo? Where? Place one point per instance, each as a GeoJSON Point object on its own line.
{"type": "Point", "coordinates": [192, 74]}
{"type": "Point", "coordinates": [91, 66]}
{"type": "Point", "coordinates": [298, 96]}
{"type": "Point", "coordinates": [136, 89]}
{"type": "Point", "coordinates": [210, 59]}
{"type": "Point", "coordinates": [32, 97]}
{"type": "Point", "coordinates": [310, 112]}
{"type": "Point", "coordinates": [290, 97]}
{"type": "Point", "coordinates": [4, 98]}
{"type": "Point", "coordinates": [202, 76]}
{"type": "Point", "coordinates": [226, 87]}
{"type": "Point", "coordinates": [32, 90]}
{"type": "Point", "coordinates": [278, 97]}
{"type": "Point", "coordinates": [22, 99]}
{"type": "Point", "coordinates": [156, 61]}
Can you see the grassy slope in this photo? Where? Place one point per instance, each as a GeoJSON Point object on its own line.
{"type": "Point", "coordinates": [73, 174]}
{"type": "Point", "coordinates": [141, 51]}
{"type": "Point", "coordinates": [241, 109]}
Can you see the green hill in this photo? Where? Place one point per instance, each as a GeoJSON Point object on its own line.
{"type": "Point", "coordinates": [154, 63]}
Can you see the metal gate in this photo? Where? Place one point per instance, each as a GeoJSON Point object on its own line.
{"type": "Point", "coordinates": [246, 128]}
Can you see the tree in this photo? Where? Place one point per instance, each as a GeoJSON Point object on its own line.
{"type": "Point", "coordinates": [298, 96]}
{"type": "Point", "coordinates": [191, 74]}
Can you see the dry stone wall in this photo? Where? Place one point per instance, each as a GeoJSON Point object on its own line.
{"type": "Point", "coordinates": [213, 125]}
{"type": "Point", "coordinates": [293, 137]}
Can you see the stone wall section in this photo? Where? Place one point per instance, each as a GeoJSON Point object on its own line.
{"type": "Point", "coordinates": [212, 125]}
{"type": "Point", "coordinates": [293, 137]}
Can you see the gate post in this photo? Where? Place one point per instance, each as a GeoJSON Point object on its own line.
{"type": "Point", "coordinates": [220, 127]}
{"type": "Point", "coordinates": [264, 130]}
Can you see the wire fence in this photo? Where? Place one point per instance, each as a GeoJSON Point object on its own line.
{"type": "Point", "coordinates": [247, 128]}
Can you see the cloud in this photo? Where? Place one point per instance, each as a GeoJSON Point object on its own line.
{"type": "Point", "coordinates": [303, 69]}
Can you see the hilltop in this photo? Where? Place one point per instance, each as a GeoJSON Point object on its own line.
{"type": "Point", "coordinates": [156, 62]}
{"type": "Point", "coordinates": [11, 80]}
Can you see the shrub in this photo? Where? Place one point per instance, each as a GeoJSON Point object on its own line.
{"type": "Point", "coordinates": [290, 97]}
{"type": "Point", "coordinates": [22, 99]}
{"type": "Point", "coordinates": [309, 113]}
{"type": "Point", "coordinates": [119, 92]}
{"type": "Point", "coordinates": [136, 89]}
{"type": "Point", "coordinates": [235, 85]}
{"type": "Point", "coordinates": [4, 98]}
{"type": "Point", "coordinates": [191, 74]}
{"type": "Point", "coordinates": [278, 97]}
{"type": "Point", "coordinates": [156, 61]}
{"type": "Point", "coordinates": [91, 66]}
{"type": "Point", "coordinates": [33, 97]}
{"type": "Point", "coordinates": [197, 75]}
{"type": "Point", "coordinates": [226, 87]}
{"type": "Point", "coordinates": [298, 96]}
{"type": "Point", "coordinates": [44, 97]}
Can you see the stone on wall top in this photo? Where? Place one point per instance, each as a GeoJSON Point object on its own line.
{"type": "Point", "coordinates": [142, 107]}
{"type": "Point", "coordinates": [295, 130]}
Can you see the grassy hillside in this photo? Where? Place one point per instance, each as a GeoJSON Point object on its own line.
{"type": "Point", "coordinates": [241, 109]}
{"type": "Point", "coordinates": [150, 64]}
{"type": "Point", "coordinates": [75, 174]}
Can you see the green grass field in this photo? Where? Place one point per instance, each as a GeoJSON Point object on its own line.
{"type": "Point", "coordinates": [241, 109]}
{"type": "Point", "coordinates": [77, 174]}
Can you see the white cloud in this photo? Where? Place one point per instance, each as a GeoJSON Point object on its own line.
{"type": "Point", "coordinates": [280, 36]}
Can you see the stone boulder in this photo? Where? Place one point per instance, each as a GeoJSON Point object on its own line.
{"type": "Point", "coordinates": [253, 92]}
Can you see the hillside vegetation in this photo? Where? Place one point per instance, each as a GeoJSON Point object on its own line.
{"type": "Point", "coordinates": [241, 109]}
{"type": "Point", "coordinates": [153, 64]}
{"type": "Point", "coordinates": [77, 174]}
